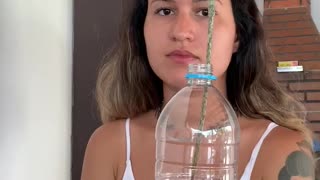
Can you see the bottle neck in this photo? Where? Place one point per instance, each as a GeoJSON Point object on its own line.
{"type": "Point", "coordinates": [199, 82]}
{"type": "Point", "coordinates": [199, 75]}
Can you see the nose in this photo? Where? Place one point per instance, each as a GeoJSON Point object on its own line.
{"type": "Point", "coordinates": [183, 28]}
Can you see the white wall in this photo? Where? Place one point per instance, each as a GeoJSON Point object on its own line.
{"type": "Point", "coordinates": [35, 89]}
{"type": "Point", "coordinates": [260, 4]}
{"type": "Point", "coordinates": [315, 11]}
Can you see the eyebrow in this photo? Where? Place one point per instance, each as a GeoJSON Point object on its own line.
{"type": "Point", "coordinates": [219, 1]}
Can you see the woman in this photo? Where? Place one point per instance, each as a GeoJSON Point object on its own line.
{"type": "Point", "coordinates": [159, 39]}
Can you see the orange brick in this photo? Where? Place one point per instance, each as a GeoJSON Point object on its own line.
{"type": "Point", "coordinates": [291, 33]}
{"type": "Point", "coordinates": [297, 56]}
{"type": "Point", "coordinates": [314, 75]}
{"type": "Point", "coordinates": [313, 39]}
{"type": "Point", "coordinates": [310, 65]}
{"type": "Point", "coordinates": [287, 18]}
{"type": "Point", "coordinates": [280, 11]}
{"type": "Point", "coordinates": [286, 3]}
{"type": "Point", "coordinates": [288, 25]}
{"type": "Point", "coordinates": [313, 96]}
{"type": "Point", "coordinates": [314, 107]}
{"type": "Point", "coordinates": [302, 86]}
{"type": "Point", "coordinates": [296, 48]}
{"type": "Point", "coordinates": [313, 116]}
{"type": "Point", "coordinates": [289, 76]}
{"type": "Point", "coordinates": [314, 126]}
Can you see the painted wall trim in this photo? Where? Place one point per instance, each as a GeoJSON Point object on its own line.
{"type": "Point", "coordinates": [36, 89]}
{"type": "Point", "coordinates": [260, 4]}
{"type": "Point", "coordinates": [315, 5]}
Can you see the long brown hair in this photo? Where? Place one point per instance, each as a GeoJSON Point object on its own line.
{"type": "Point", "coordinates": [127, 86]}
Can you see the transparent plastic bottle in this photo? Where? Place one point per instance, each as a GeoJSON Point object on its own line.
{"type": "Point", "coordinates": [197, 139]}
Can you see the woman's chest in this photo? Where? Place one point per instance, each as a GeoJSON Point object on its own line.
{"type": "Point", "coordinates": [143, 157]}
{"type": "Point", "coordinates": [143, 161]}
{"type": "Point", "coordinates": [143, 153]}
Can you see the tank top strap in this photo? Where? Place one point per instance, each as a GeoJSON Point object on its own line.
{"type": "Point", "coordinates": [248, 170]}
{"type": "Point", "coordinates": [128, 173]}
{"type": "Point", "coordinates": [128, 144]}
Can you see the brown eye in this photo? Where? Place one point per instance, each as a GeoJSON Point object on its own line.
{"type": "Point", "coordinates": [165, 12]}
{"type": "Point", "coordinates": [203, 12]}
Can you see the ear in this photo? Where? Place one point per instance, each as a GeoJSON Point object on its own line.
{"type": "Point", "coordinates": [235, 45]}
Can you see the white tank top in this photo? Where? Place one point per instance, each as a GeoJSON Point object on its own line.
{"type": "Point", "coordinates": [128, 173]}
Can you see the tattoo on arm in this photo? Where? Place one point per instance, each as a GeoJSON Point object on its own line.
{"type": "Point", "coordinates": [298, 164]}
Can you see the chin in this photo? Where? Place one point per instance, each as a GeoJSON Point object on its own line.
{"type": "Point", "coordinates": [178, 85]}
{"type": "Point", "coordinates": [175, 84]}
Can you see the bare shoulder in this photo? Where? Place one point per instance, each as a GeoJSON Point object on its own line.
{"type": "Point", "coordinates": [286, 155]}
{"type": "Point", "coordinates": [104, 152]}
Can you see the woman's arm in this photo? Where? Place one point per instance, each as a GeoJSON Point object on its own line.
{"type": "Point", "coordinates": [101, 156]}
{"type": "Point", "coordinates": [287, 156]}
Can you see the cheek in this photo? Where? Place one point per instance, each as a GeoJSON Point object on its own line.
{"type": "Point", "coordinates": [156, 44]}
{"type": "Point", "coordinates": [223, 43]}
{"type": "Point", "coordinates": [153, 39]}
{"type": "Point", "coordinates": [152, 48]}
{"type": "Point", "coordinates": [148, 35]}
{"type": "Point", "coordinates": [155, 32]}
{"type": "Point", "coordinates": [150, 40]}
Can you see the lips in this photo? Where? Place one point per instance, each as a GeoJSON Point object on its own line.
{"type": "Point", "coordinates": [182, 57]}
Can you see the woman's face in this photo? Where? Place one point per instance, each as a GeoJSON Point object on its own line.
{"type": "Point", "coordinates": [176, 34]}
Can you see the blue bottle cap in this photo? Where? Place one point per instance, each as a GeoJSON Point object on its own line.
{"type": "Point", "coordinates": [201, 76]}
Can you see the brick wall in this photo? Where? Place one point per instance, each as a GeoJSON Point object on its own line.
{"type": "Point", "coordinates": [293, 36]}
{"type": "Point", "coordinates": [286, 3]}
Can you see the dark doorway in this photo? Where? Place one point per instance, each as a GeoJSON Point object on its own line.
{"type": "Point", "coordinates": [95, 30]}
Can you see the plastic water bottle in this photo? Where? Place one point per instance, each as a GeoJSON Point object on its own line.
{"type": "Point", "coordinates": [197, 133]}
